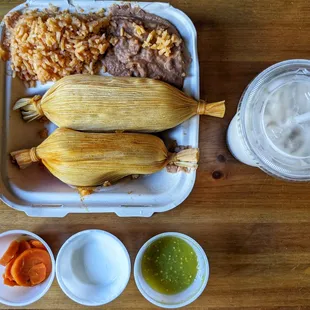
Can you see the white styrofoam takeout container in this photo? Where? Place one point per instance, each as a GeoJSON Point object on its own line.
{"type": "Point", "coordinates": [18, 296]}
{"type": "Point", "coordinates": [36, 192]}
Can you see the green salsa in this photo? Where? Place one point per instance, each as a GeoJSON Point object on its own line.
{"type": "Point", "coordinates": [169, 265]}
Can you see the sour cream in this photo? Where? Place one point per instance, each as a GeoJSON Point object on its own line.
{"type": "Point", "coordinates": [93, 267]}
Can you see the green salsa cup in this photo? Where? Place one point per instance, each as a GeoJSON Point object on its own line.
{"type": "Point", "coordinates": [148, 262]}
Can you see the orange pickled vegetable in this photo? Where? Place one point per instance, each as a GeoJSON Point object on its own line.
{"type": "Point", "coordinates": [37, 244]}
{"type": "Point", "coordinates": [37, 274]}
{"type": "Point", "coordinates": [7, 273]}
{"type": "Point", "coordinates": [10, 253]}
{"type": "Point", "coordinates": [23, 246]}
{"type": "Point", "coordinates": [26, 261]}
{"type": "Point", "coordinates": [8, 282]}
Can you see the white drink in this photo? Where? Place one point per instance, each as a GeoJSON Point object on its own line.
{"type": "Point", "coordinates": [284, 126]}
{"type": "Point", "coordinates": [272, 127]}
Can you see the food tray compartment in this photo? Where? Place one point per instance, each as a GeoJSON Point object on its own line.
{"type": "Point", "coordinates": [36, 192]}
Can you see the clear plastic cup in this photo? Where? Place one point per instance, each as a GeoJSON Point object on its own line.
{"type": "Point", "coordinates": [271, 129]}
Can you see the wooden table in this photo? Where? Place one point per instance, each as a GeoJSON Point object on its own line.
{"type": "Point", "coordinates": [254, 229]}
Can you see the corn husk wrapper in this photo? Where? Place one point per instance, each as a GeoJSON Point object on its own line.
{"type": "Point", "coordinates": [98, 103]}
{"type": "Point", "coordinates": [94, 159]}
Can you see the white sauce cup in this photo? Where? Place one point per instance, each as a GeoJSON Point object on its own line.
{"type": "Point", "coordinates": [93, 267]}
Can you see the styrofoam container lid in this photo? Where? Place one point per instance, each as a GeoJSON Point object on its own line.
{"type": "Point", "coordinates": [187, 296]}
{"type": "Point", "coordinates": [93, 267]}
{"type": "Point", "coordinates": [19, 296]}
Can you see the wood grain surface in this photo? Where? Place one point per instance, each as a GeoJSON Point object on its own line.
{"type": "Point", "coordinates": [254, 229]}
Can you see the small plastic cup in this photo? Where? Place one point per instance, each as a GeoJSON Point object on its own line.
{"type": "Point", "coordinates": [18, 296]}
{"type": "Point", "coordinates": [187, 296]}
{"type": "Point", "coordinates": [93, 267]}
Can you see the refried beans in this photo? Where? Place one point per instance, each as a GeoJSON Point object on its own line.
{"type": "Point", "coordinates": [164, 57]}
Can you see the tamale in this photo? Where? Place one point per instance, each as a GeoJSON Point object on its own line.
{"type": "Point", "coordinates": [103, 104]}
{"type": "Point", "coordinates": [91, 159]}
